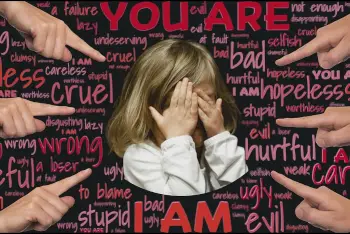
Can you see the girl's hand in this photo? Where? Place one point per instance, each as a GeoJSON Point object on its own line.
{"type": "Point", "coordinates": [182, 115]}
{"type": "Point", "coordinates": [211, 114]}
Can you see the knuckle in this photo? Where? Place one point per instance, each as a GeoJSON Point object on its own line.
{"type": "Point", "coordinates": [11, 133]}
{"type": "Point", "coordinates": [61, 24]}
{"type": "Point", "coordinates": [58, 55]}
{"type": "Point", "coordinates": [44, 25]}
{"type": "Point", "coordinates": [48, 222]}
{"type": "Point", "coordinates": [18, 100]}
{"type": "Point", "coordinates": [12, 106]}
{"type": "Point", "coordinates": [53, 25]}
{"type": "Point", "coordinates": [22, 134]}
{"type": "Point", "coordinates": [5, 110]}
{"type": "Point", "coordinates": [39, 47]}
{"type": "Point", "coordinates": [37, 190]}
{"type": "Point", "coordinates": [32, 205]}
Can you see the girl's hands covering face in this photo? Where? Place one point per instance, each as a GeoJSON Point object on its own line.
{"type": "Point", "coordinates": [182, 115]}
{"type": "Point", "coordinates": [210, 114]}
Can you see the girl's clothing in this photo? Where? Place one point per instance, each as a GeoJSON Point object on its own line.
{"type": "Point", "coordinates": [173, 169]}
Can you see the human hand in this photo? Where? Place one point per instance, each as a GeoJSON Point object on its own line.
{"type": "Point", "coordinates": [333, 126]}
{"type": "Point", "coordinates": [42, 207]}
{"type": "Point", "coordinates": [332, 45]}
{"type": "Point", "coordinates": [44, 33]}
{"type": "Point", "coordinates": [322, 207]}
{"type": "Point", "coordinates": [210, 114]}
{"type": "Point", "coordinates": [16, 116]}
{"type": "Point", "coordinates": [182, 115]}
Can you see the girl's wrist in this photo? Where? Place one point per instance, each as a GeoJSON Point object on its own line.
{"type": "Point", "coordinates": [215, 132]}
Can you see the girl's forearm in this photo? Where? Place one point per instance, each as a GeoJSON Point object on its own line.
{"type": "Point", "coordinates": [181, 165]}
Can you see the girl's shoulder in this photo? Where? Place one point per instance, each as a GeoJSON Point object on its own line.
{"type": "Point", "coordinates": [145, 150]}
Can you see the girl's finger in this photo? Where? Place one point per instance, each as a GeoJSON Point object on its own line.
{"type": "Point", "coordinates": [194, 105]}
{"type": "Point", "coordinates": [27, 117]}
{"type": "Point", "coordinates": [175, 96]}
{"type": "Point", "coordinates": [182, 94]}
{"type": "Point", "coordinates": [60, 44]}
{"type": "Point", "coordinates": [204, 106]}
{"type": "Point", "coordinates": [202, 115]}
{"type": "Point", "coordinates": [188, 100]}
{"type": "Point", "coordinates": [18, 120]}
{"type": "Point", "coordinates": [205, 97]}
{"type": "Point", "coordinates": [219, 104]}
{"type": "Point", "coordinates": [156, 116]}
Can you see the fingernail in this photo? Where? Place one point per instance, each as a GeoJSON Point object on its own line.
{"type": "Point", "coordinates": [275, 172]}
{"type": "Point", "coordinates": [101, 56]}
{"type": "Point", "coordinates": [321, 142]}
{"type": "Point", "coordinates": [87, 171]}
{"type": "Point", "coordinates": [70, 108]}
{"type": "Point", "coordinates": [277, 62]}
{"type": "Point", "coordinates": [326, 64]}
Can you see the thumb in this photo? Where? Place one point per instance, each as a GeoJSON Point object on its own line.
{"type": "Point", "coordinates": [67, 55]}
{"type": "Point", "coordinates": [68, 200]}
{"type": "Point", "coordinates": [219, 104]}
{"type": "Point", "coordinates": [156, 116]}
{"type": "Point", "coordinates": [40, 125]}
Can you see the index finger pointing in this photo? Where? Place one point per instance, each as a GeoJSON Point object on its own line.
{"type": "Point", "coordinates": [77, 43]}
{"type": "Point", "coordinates": [307, 50]}
{"type": "Point", "coordinates": [41, 109]}
{"type": "Point", "coordinates": [299, 189]}
{"type": "Point", "coordinates": [312, 121]}
{"type": "Point", "coordinates": [63, 185]}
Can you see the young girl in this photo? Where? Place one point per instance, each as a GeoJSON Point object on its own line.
{"type": "Point", "coordinates": [173, 121]}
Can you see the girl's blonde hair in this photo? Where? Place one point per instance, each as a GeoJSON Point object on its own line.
{"type": "Point", "coordinates": [151, 82]}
